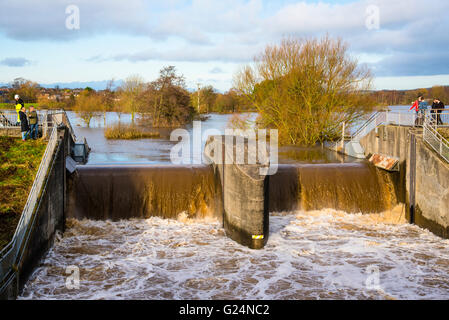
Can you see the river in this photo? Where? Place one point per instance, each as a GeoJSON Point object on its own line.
{"type": "Point", "coordinates": [324, 254]}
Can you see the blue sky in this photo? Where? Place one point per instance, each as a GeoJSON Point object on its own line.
{"type": "Point", "coordinates": [209, 40]}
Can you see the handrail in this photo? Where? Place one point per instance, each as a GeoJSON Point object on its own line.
{"type": "Point", "coordinates": [9, 254]}
{"type": "Point", "coordinates": [65, 120]}
{"type": "Point", "coordinates": [368, 122]}
{"type": "Point", "coordinates": [8, 119]}
{"type": "Point", "coordinates": [377, 119]}
{"type": "Point", "coordinates": [434, 138]}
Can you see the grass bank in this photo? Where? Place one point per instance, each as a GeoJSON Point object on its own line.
{"type": "Point", "coordinates": [128, 132]}
{"type": "Point", "coordinates": [19, 162]}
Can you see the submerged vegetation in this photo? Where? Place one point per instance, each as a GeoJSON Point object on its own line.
{"type": "Point", "coordinates": [128, 132]}
{"type": "Point", "coordinates": [19, 162]}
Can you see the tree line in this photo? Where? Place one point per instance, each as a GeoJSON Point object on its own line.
{"type": "Point", "coordinates": [164, 102]}
{"type": "Point", "coordinates": [407, 97]}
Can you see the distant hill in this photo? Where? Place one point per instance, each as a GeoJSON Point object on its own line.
{"type": "Point", "coordinates": [97, 85]}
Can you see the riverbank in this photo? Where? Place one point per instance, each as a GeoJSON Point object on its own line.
{"type": "Point", "coordinates": [19, 162]}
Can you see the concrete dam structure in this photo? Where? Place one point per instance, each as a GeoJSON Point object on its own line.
{"type": "Point", "coordinates": [143, 231]}
{"type": "Point", "coordinates": [237, 195]}
{"type": "Point", "coordinates": [125, 192]}
{"type": "Point", "coordinates": [350, 187]}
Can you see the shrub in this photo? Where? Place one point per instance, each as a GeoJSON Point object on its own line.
{"type": "Point", "coordinates": [128, 132]}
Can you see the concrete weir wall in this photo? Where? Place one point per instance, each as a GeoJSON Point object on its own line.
{"type": "Point", "coordinates": [48, 219]}
{"type": "Point", "coordinates": [245, 192]}
{"type": "Point", "coordinates": [424, 176]}
{"type": "Point", "coordinates": [143, 191]}
{"type": "Point", "coordinates": [350, 187]}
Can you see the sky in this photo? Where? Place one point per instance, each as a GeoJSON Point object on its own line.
{"type": "Point", "coordinates": [404, 42]}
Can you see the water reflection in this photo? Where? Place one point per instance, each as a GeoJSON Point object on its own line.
{"type": "Point", "coordinates": [157, 151]}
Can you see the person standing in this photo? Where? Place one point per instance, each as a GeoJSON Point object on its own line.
{"type": "Point", "coordinates": [34, 123]}
{"type": "Point", "coordinates": [420, 106]}
{"type": "Point", "coordinates": [438, 108]}
{"type": "Point", "coordinates": [19, 105]}
{"type": "Point", "coordinates": [24, 128]}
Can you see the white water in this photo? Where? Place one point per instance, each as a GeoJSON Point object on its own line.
{"type": "Point", "coordinates": [314, 255]}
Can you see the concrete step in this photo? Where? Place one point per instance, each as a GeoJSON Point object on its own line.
{"type": "Point", "coordinates": [354, 149]}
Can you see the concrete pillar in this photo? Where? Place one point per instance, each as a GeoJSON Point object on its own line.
{"type": "Point", "coordinates": [245, 191]}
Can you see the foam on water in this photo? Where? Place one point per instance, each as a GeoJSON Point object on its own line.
{"type": "Point", "coordinates": [310, 255]}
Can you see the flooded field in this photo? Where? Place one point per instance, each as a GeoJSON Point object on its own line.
{"type": "Point", "coordinates": [157, 151]}
{"type": "Point", "coordinates": [323, 254]}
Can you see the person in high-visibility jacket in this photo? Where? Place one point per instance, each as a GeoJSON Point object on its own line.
{"type": "Point", "coordinates": [19, 105]}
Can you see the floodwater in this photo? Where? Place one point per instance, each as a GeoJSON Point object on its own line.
{"type": "Point", "coordinates": [147, 151]}
{"type": "Point", "coordinates": [323, 254]}
{"type": "Point", "coordinates": [316, 254]}
{"type": "Point", "coordinates": [157, 151]}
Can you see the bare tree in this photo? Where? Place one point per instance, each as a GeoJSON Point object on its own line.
{"type": "Point", "coordinates": [306, 89]}
{"type": "Point", "coordinates": [131, 95]}
{"type": "Point", "coordinates": [86, 105]}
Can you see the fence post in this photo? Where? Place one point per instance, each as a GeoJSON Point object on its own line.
{"type": "Point", "coordinates": [45, 125]}
{"type": "Point", "coordinates": [343, 137]}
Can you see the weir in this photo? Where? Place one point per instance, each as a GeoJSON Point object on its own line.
{"type": "Point", "coordinates": [239, 195]}
{"type": "Point", "coordinates": [125, 192]}
{"type": "Point", "coordinates": [349, 187]}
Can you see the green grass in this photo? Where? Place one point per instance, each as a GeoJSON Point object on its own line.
{"type": "Point", "coordinates": [128, 132]}
{"type": "Point", "coordinates": [19, 162]}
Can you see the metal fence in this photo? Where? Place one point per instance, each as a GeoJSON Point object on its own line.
{"type": "Point", "coordinates": [376, 120]}
{"type": "Point", "coordinates": [434, 138]}
{"type": "Point", "coordinates": [443, 118]}
{"type": "Point", "coordinates": [10, 255]}
{"type": "Point", "coordinates": [8, 119]}
{"type": "Point", "coordinates": [47, 120]}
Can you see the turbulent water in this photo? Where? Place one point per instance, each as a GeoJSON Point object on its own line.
{"type": "Point", "coordinates": [323, 254]}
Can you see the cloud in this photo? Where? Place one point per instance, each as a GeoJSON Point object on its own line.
{"type": "Point", "coordinates": [223, 52]}
{"type": "Point", "coordinates": [412, 38]}
{"type": "Point", "coordinates": [27, 21]}
{"type": "Point", "coordinates": [15, 62]}
{"type": "Point", "coordinates": [413, 64]}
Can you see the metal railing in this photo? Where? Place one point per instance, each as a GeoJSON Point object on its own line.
{"type": "Point", "coordinates": [434, 138]}
{"type": "Point", "coordinates": [47, 120]}
{"type": "Point", "coordinates": [443, 118]}
{"type": "Point", "coordinates": [60, 117]}
{"type": "Point", "coordinates": [8, 118]}
{"type": "Point", "coordinates": [376, 120]}
{"type": "Point", "coordinates": [10, 254]}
